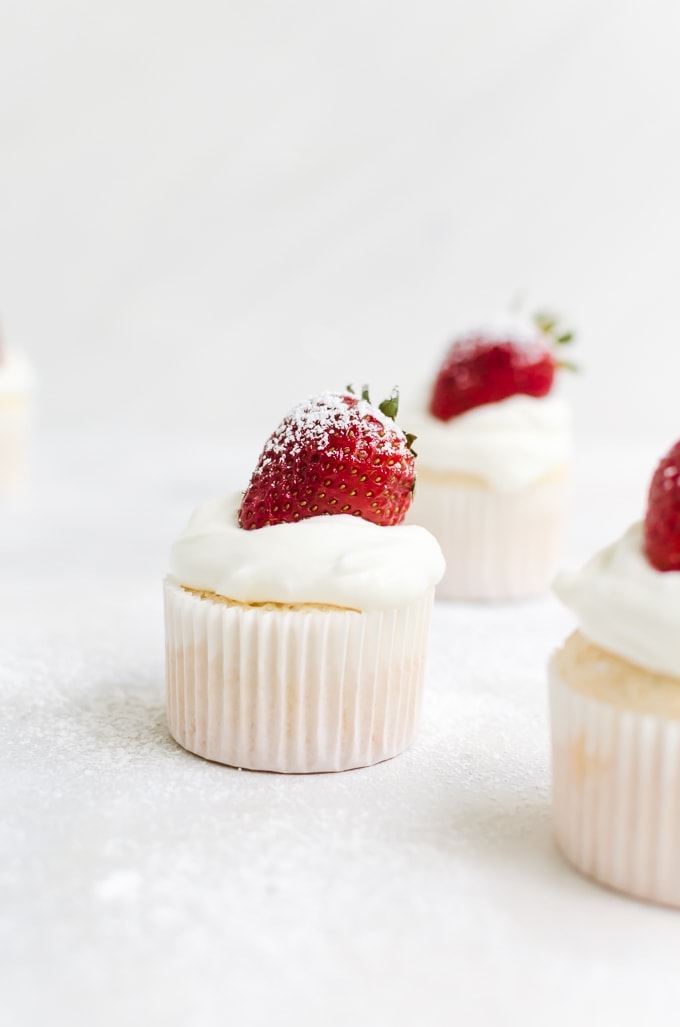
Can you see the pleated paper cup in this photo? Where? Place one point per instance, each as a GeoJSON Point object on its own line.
{"type": "Point", "coordinates": [616, 791]}
{"type": "Point", "coordinates": [15, 417]}
{"type": "Point", "coordinates": [294, 689]}
{"type": "Point", "coordinates": [497, 545]}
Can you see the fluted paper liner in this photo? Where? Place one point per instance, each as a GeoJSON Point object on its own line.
{"type": "Point", "coordinates": [616, 793]}
{"type": "Point", "coordinates": [497, 545]}
{"type": "Point", "coordinates": [293, 689]}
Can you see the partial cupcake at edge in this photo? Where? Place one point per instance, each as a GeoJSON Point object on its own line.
{"type": "Point", "coordinates": [494, 445]}
{"type": "Point", "coordinates": [16, 388]}
{"type": "Point", "coordinates": [297, 613]}
{"type": "Point", "coordinates": [615, 706]}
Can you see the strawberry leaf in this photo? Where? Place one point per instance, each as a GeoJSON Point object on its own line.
{"type": "Point", "coordinates": [546, 322]}
{"type": "Point", "coordinates": [390, 406]}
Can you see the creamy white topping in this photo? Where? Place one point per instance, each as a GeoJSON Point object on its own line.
{"type": "Point", "coordinates": [510, 445]}
{"type": "Point", "coordinates": [16, 374]}
{"type": "Point", "coordinates": [333, 560]}
{"type": "Point", "coordinates": [626, 606]}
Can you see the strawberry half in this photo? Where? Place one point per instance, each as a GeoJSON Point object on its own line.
{"type": "Point", "coordinates": [334, 454]}
{"type": "Point", "coordinates": [489, 365]}
{"type": "Point", "coordinates": [662, 522]}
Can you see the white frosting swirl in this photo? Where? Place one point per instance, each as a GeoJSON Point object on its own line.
{"type": "Point", "coordinates": [510, 445]}
{"type": "Point", "coordinates": [16, 374]}
{"type": "Point", "coordinates": [334, 560]}
{"type": "Point", "coordinates": [626, 606]}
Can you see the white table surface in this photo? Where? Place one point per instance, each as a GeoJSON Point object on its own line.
{"type": "Point", "coordinates": [142, 885]}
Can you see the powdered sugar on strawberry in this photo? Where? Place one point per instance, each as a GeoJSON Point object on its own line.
{"type": "Point", "coordinates": [333, 454]}
{"type": "Point", "coordinates": [523, 333]}
{"type": "Point", "coordinates": [493, 362]}
{"type": "Point", "coordinates": [317, 420]}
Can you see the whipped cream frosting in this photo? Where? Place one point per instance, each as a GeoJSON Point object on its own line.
{"type": "Point", "coordinates": [334, 560]}
{"type": "Point", "coordinates": [509, 445]}
{"type": "Point", "coordinates": [16, 374]}
{"type": "Point", "coordinates": [626, 606]}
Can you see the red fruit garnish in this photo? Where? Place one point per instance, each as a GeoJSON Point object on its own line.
{"type": "Point", "coordinates": [334, 454]}
{"type": "Point", "coordinates": [487, 366]}
{"type": "Point", "coordinates": [662, 522]}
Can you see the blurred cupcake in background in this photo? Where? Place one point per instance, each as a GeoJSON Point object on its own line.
{"type": "Point", "coordinates": [494, 451]}
{"type": "Point", "coordinates": [16, 388]}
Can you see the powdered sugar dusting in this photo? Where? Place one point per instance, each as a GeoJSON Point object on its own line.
{"type": "Point", "coordinates": [524, 354]}
{"type": "Point", "coordinates": [526, 338]}
{"type": "Point", "coordinates": [336, 453]}
{"type": "Point", "coordinates": [315, 422]}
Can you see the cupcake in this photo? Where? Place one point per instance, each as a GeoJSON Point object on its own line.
{"type": "Point", "coordinates": [15, 409]}
{"type": "Point", "coordinates": [297, 614]}
{"type": "Point", "coordinates": [494, 447]}
{"type": "Point", "coordinates": [615, 706]}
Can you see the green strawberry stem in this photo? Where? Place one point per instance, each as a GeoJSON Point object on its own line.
{"type": "Point", "coordinates": [389, 407]}
{"type": "Point", "coordinates": [549, 325]}
{"type": "Point", "coordinates": [546, 322]}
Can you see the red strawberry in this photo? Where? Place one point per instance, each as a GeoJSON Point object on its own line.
{"type": "Point", "coordinates": [486, 366]}
{"type": "Point", "coordinates": [662, 523]}
{"type": "Point", "coordinates": [334, 454]}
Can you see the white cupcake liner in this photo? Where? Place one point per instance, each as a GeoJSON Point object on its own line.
{"type": "Point", "coordinates": [616, 793]}
{"type": "Point", "coordinates": [497, 545]}
{"type": "Point", "coordinates": [14, 438]}
{"type": "Point", "coordinates": [293, 689]}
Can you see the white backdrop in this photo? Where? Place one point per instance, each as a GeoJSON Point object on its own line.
{"type": "Point", "coordinates": [209, 210]}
